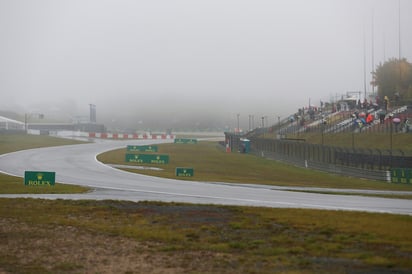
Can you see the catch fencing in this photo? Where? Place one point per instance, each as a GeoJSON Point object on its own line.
{"type": "Point", "coordinates": [373, 164]}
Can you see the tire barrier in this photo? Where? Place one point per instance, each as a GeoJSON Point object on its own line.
{"type": "Point", "coordinates": [142, 136]}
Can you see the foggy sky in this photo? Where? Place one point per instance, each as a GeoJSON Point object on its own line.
{"type": "Point", "coordinates": [170, 59]}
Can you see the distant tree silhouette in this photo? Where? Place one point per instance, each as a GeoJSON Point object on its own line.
{"type": "Point", "coordinates": [394, 80]}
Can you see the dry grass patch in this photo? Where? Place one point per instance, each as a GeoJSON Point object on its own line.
{"type": "Point", "coordinates": [42, 236]}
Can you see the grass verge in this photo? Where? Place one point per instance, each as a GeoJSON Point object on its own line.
{"type": "Point", "coordinates": [15, 185]}
{"type": "Point", "coordinates": [212, 164]}
{"type": "Point", "coordinates": [43, 236]}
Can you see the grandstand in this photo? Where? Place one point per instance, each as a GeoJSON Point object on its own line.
{"type": "Point", "coordinates": [284, 141]}
{"type": "Point", "coordinates": [7, 124]}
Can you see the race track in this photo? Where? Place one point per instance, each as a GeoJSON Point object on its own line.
{"type": "Point", "coordinates": [77, 164]}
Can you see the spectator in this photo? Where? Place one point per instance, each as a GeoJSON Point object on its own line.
{"type": "Point", "coordinates": [365, 103]}
{"type": "Point", "coordinates": [386, 102]}
{"type": "Point", "coordinates": [381, 117]}
{"type": "Point", "coordinates": [369, 118]}
{"type": "Point", "coordinates": [406, 125]}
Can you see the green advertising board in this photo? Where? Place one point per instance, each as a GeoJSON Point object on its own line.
{"type": "Point", "coordinates": [401, 175]}
{"type": "Point", "coordinates": [142, 148]}
{"type": "Point", "coordinates": [147, 158]}
{"type": "Point", "coordinates": [39, 178]}
{"type": "Point", "coordinates": [184, 172]}
{"type": "Point", "coordinates": [185, 141]}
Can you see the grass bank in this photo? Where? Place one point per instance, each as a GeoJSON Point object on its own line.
{"type": "Point", "coordinates": [15, 185]}
{"type": "Point", "coordinates": [16, 142]}
{"type": "Point", "coordinates": [42, 236]}
{"type": "Point", "coordinates": [212, 164]}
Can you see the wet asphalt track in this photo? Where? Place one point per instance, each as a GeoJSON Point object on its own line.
{"type": "Point", "coordinates": [77, 164]}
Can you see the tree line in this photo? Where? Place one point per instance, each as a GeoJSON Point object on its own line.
{"type": "Point", "coordinates": [394, 80]}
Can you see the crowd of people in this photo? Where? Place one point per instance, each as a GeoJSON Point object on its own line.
{"type": "Point", "coordinates": [363, 113]}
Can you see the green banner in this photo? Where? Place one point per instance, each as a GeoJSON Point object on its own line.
{"type": "Point", "coordinates": [39, 178]}
{"type": "Point", "coordinates": [401, 175]}
{"type": "Point", "coordinates": [184, 172]}
{"type": "Point", "coordinates": [147, 158]}
{"type": "Point", "coordinates": [185, 141]}
{"type": "Point", "coordinates": [142, 148]}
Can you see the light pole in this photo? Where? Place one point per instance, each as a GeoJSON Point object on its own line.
{"type": "Point", "coordinates": [322, 128]}
{"type": "Point", "coordinates": [279, 127]}
{"type": "Point", "coordinates": [27, 117]}
{"type": "Point", "coordinates": [399, 28]}
{"type": "Point", "coordinates": [238, 129]}
{"type": "Point", "coordinates": [263, 125]}
{"type": "Point", "coordinates": [390, 139]}
{"type": "Point", "coordinates": [353, 131]}
{"type": "Point", "coordinates": [396, 121]}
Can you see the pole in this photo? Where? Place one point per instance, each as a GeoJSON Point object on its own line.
{"type": "Point", "coordinates": [25, 122]}
{"type": "Point", "coordinates": [399, 23]}
{"type": "Point", "coordinates": [373, 49]}
{"type": "Point", "coordinates": [322, 128]}
{"type": "Point", "coordinates": [353, 139]}
{"type": "Point", "coordinates": [364, 63]}
{"type": "Point", "coordinates": [391, 145]}
{"type": "Point", "coordinates": [399, 42]}
{"type": "Point", "coordinates": [353, 132]}
{"type": "Point", "coordinates": [263, 126]}
{"type": "Point", "coordinates": [238, 129]}
{"type": "Point", "coordinates": [297, 124]}
{"type": "Point", "coordinates": [279, 127]}
{"type": "Point", "coordinates": [390, 139]}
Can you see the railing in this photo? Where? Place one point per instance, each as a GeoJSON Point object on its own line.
{"type": "Point", "coordinates": [356, 163]}
{"type": "Point", "coordinates": [366, 163]}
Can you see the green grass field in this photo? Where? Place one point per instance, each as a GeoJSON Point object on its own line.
{"type": "Point", "coordinates": [15, 142]}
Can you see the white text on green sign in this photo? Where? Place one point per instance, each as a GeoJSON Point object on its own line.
{"type": "Point", "coordinates": [401, 175]}
{"type": "Point", "coordinates": [39, 178]}
{"type": "Point", "coordinates": [147, 158]}
{"type": "Point", "coordinates": [185, 141]}
{"type": "Point", "coordinates": [184, 172]}
{"type": "Point", "coordinates": [142, 148]}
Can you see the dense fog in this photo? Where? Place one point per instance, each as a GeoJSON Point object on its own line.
{"type": "Point", "coordinates": [192, 64]}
